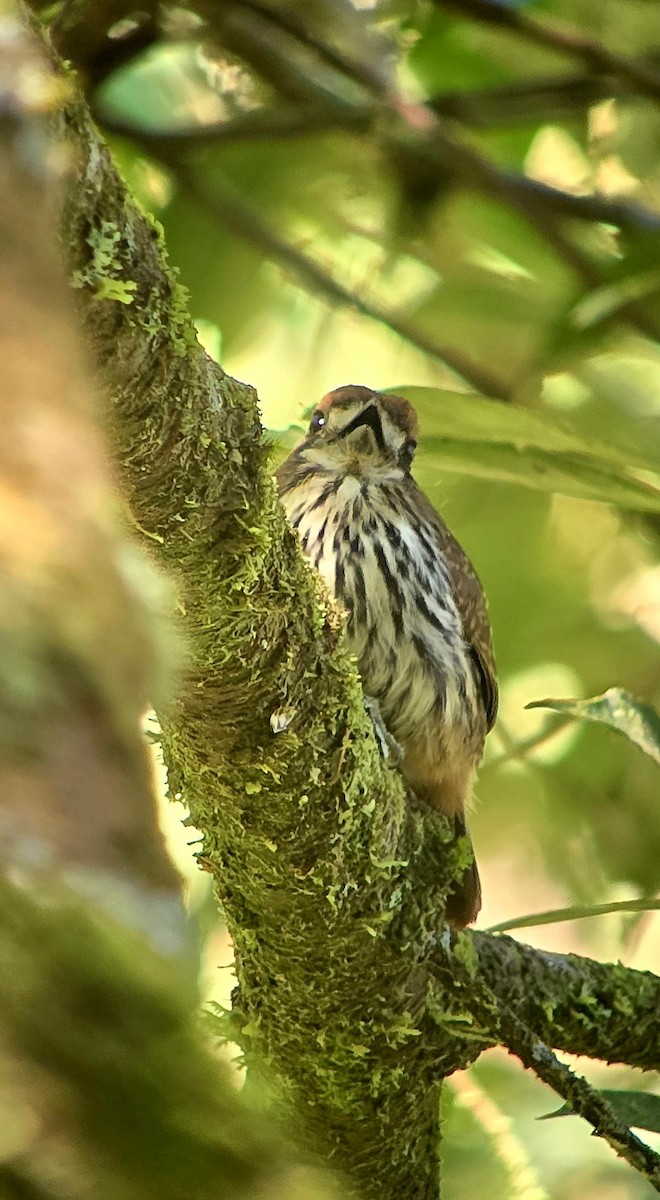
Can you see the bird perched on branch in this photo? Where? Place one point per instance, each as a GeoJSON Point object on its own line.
{"type": "Point", "coordinates": [415, 611]}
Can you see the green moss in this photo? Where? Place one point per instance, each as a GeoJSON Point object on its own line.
{"type": "Point", "coordinates": [116, 289]}
{"type": "Point", "coordinates": [103, 271]}
{"type": "Point", "coordinates": [466, 954]}
{"type": "Point", "coordinates": [181, 329]}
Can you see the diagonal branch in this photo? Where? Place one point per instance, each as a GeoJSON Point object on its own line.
{"type": "Point", "coordinates": [592, 54]}
{"type": "Point", "coordinates": [230, 208]}
{"type": "Point", "coordinates": [535, 99]}
{"type": "Point", "coordinates": [574, 1003]}
{"type": "Point", "coordinates": [584, 1100]}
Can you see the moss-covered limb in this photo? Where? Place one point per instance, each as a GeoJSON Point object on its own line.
{"type": "Point", "coordinates": [332, 886]}
{"type": "Point", "coordinates": [107, 1087]}
{"type": "Point", "coordinates": [603, 1010]}
{"type": "Point", "coordinates": [500, 1010]}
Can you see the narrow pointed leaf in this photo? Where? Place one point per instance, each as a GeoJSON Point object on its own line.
{"type": "Point", "coordinates": [639, 1109]}
{"type": "Point", "coordinates": [576, 912]}
{"type": "Point", "coordinates": [620, 711]}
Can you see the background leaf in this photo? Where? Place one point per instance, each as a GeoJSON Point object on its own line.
{"type": "Point", "coordinates": [616, 708]}
{"type": "Point", "coordinates": [540, 450]}
{"type": "Point", "coordinates": [639, 1109]}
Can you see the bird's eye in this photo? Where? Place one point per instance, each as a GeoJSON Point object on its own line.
{"type": "Point", "coordinates": [407, 452]}
{"type": "Point", "coordinates": [317, 422]}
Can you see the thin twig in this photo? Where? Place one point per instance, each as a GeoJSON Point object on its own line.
{"type": "Point", "coordinates": [576, 913]}
{"type": "Point", "coordinates": [267, 123]}
{"type": "Point", "coordinates": [584, 1100]}
{"type": "Point", "coordinates": [259, 124]}
{"type": "Point", "coordinates": [517, 750]}
{"type": "Point", "coordinates": [571, 42]}
{"type": "Point", "coordinates": [229, 206]}
{"type": "Point", "coordinates": [525, 101]}
{"type": "Point", "coordinates": [625, 214]}
{"type": "Point", "coordinates": [365, 73]}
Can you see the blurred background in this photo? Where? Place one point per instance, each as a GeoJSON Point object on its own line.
{"type": "Point", "coordinates": [461, 198]}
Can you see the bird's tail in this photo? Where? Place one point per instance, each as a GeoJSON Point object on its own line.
{"type": "Point", "coordinates": [464, 901]}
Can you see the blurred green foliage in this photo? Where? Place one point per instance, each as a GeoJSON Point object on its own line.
{"type": "Point", "coordinates": [617, 710]}
{"type": "Point", "coordinates": [555, 300]}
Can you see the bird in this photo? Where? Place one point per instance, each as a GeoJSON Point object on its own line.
{"type": "Point", "coordinates": [415, 612]}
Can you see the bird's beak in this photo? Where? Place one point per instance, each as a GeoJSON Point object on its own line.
{"type": "Point", "coordinates": [369, 418]}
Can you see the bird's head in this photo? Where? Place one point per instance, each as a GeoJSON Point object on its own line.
{"type": "Point", "coordinates": [358, 431]}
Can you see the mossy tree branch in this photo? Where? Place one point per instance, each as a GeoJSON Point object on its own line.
{"type": "Point", "coordinates": [569, 1000]}
{"type": "Point", "coordinates": [333, 886]}
{"type": "Point", "coordinates": [107, 1087]}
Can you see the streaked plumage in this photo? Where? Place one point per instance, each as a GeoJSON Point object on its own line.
{"type": "Point", "coordinates": [416, 614]}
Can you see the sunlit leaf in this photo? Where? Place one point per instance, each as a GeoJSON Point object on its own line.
{"type": "Point", "coordinates": [639, 1109]}
{"type": "Point", "coordinates": [577, 912]}
{"type": "Point", "coordinates": [493, 440]}
{"type": "Point", "coordinates": [616, 708]}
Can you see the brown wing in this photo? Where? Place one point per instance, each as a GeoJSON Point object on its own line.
{"type": "Point", "coordinates": [471, 604]}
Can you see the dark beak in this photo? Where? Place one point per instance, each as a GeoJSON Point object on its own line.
{"type": "Point", "coordinates": [369, 418]}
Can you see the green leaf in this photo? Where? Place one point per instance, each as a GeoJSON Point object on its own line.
{"type": "Point", "coordinates": [639, 1109]}
{"type": "Point", "coordinates": [638, 722]}
{"type": "Point", "coordinates": [493, 440]}
{"type": "Point", "coordinates": [604, 302]}
{"type": "Point", "coordinates": [575, 913]}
